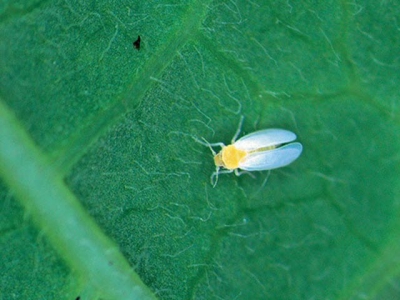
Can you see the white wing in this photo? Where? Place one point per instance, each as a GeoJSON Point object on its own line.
{"type": "Point", "coordinates": [264, 138]}
{"type": "Point", "coordinates": [271, 159]}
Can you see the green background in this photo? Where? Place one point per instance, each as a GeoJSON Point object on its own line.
{"type": "Point", "coordinates": [103, 183]}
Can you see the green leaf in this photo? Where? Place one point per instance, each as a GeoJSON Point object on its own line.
{"type": "Point", "coordinates": [105, 192]}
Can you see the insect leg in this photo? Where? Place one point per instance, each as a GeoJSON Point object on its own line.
{"type": "Point", "coordinates": [216, 173]}
{"type": "Point", "coordinates": [239, 173]}
{"type": "Point", "coordinates": [238, 129]}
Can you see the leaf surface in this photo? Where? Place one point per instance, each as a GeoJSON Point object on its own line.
{"type": "Point", "coordinates": [109, 134]}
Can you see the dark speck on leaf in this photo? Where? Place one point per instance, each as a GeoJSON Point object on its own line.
{"type": "Point", "coordinates": [136, 44]}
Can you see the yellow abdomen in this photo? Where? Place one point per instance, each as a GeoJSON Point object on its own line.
{"type": "Point", "coordinates": [229, 157]}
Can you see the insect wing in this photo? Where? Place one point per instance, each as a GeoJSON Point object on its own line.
{"type": "Point", "coordinates": [264, 138]}
{"type": "Point", "coordinates": [271, 159]}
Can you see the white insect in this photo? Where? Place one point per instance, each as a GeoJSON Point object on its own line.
{"type": "Point", "coordinates": [261, 150]}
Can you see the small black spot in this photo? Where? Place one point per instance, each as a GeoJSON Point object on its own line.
{"type": "Point", "coordinates": [78, 298]}
{"type": "Point", "coordinates": [136, 44]}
